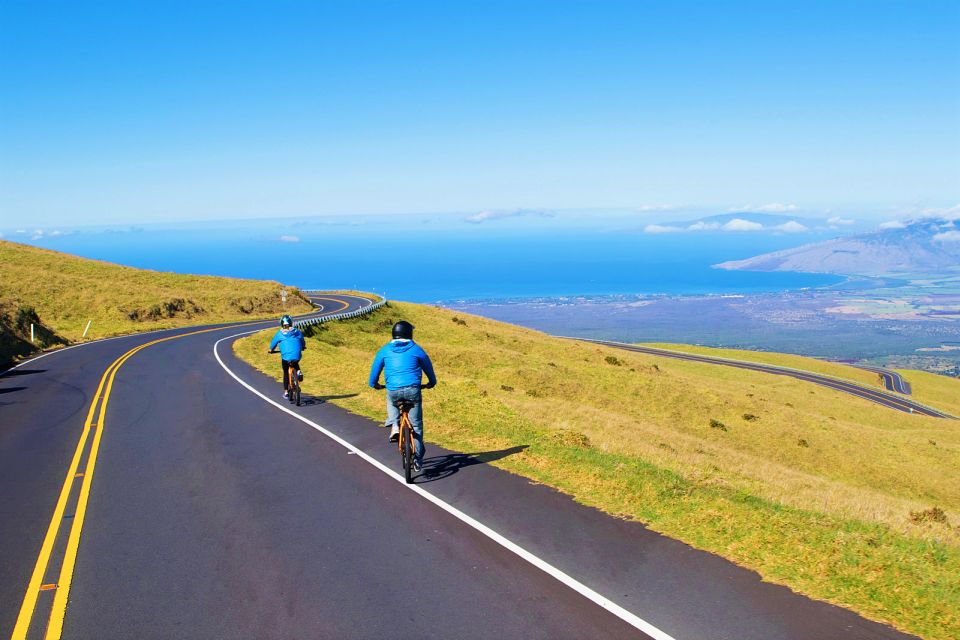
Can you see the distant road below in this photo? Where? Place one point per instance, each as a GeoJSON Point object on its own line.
{"type": "Point", "coordinates": [874, 395]}
{"type": "Point", "coordinates": [892, 380]}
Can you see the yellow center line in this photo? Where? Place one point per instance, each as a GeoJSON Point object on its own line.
{"type": "Point", "coordinates": [62, 586]}
{"type": "Point", "coordinates": [345, 304]}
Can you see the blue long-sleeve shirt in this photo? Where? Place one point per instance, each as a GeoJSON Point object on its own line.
{"type": "Point", "coordinates": [291, 344]}
{"type": "Point", "coordinates": [403, 364]}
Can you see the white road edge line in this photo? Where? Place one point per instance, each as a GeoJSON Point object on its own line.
{"type": "Point", "coordinates": [543, 565]}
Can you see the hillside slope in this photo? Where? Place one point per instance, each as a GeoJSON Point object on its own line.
{"type": "Point", "coordinates": [61, 293]}
{"type": "Point", "coordinates": [834, 496]}
{"type": "Point", "coordinates": [920, 246]}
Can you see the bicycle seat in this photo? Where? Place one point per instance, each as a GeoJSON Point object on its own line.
{"type": "Point", "coordinates": [403, 404]}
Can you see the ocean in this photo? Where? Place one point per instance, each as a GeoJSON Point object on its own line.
{"type": "Point", "coordinates": [424, 259]}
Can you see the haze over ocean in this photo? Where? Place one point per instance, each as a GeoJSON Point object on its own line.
{"type": "Point", "coordinates": [441, 258]}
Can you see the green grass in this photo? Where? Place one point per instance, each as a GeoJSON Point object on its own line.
{"type": "Point", "coordinates": [847, 517]}
{"type": "Point", "coordinates": [62, 293]}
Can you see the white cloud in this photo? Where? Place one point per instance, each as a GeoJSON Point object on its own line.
{"type": "Point", "coordinates": [289, 238]}
{"type": "Point", "coordinates": [893, 224]}
{"type": "Point", "coordinates": [792, 227]}
{"type": "Point", "coordinates": [738, 224]}
{"type": "Point", "coordinates": [485, 216]}
{"type": "Point", "coordinates": [657, 207]}
{"type": "Point", "coordinates": [20, 231]}
{"type": "Point", "coordinates": [704, 226]}
{"type": "Point", "coordinates": [772, 207]}
{"type": "Point", "coordinates": [947, 236]}
{"type": "Point", "coordinates": [659, 228]}
{"type": "Point", "coordinates": [837, 220]}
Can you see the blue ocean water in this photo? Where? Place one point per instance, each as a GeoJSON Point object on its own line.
{"type": "Point", "coordinates": [421, 261]}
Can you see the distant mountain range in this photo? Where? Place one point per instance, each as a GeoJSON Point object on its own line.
{"type": "Point", "coordinates": [929, 245]}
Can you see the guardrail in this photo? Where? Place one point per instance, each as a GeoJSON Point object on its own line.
{"type": "Point", "coordinates": [356, 313]}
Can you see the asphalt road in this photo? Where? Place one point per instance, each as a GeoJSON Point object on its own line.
{"type": "Point", "coordinates": [892, 380]}
{"type": "Point", "coordinates": [898, 403]}
{"type": "Point", "coordinates": [208, 508]}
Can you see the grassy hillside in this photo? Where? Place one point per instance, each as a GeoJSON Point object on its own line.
{"type": "Point", "coordinates": [61, 293]}
{"type": "Point", "coordinates": [928, 388]}
{"type": "Point", "coordinates": [829, 494]}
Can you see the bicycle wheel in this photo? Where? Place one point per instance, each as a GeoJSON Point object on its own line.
{"type": "Point", "coordinates": [298, 394]}
{"type": "Point", "coordinates": [406, 446]}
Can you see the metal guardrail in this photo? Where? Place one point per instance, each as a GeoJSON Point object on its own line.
{"type": "Point", "coordinates": [356, 313]}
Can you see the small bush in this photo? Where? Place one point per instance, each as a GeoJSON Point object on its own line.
{"type": "Point", "coordinates": [459, 321]}
{"type": "Point", "coordinates": [716, 424]}
{"type": "Point", "coordinates": [614, 360]}
{"type": "Point", "coordinates": [933, 514]}
{"type": "Point", "coordinates": [506, 387]}
{"type": "Point", "coordinates": [571, 438]}
{"type": "Point", "coordinates": [801, 442]}
{"type": "Point", "coordinates": [749, 417]}
{"type": "Point", "coordinates": [665, 446]}
{"type": "Point", "coordinates": [533, 393]}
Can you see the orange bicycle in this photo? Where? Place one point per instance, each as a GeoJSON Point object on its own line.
{"type": "Point", "coordinates": [405, 441]}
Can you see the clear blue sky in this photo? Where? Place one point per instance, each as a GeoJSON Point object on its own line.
{"type": "Point", "coordinates": [134, 111]}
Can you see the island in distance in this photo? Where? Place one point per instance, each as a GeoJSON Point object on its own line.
{"type": "Point", "coordinates": [898, 306]}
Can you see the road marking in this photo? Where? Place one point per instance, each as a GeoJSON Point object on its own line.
{"type": "Point", "coordinates": [94, 426]}
{"type": "Point", "coordinates": [346, 305]}
{"type": "Point", "coordinates": [571, 582]}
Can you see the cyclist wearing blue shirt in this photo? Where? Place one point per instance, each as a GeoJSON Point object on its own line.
{"type": "Point", "coordinates": [292, 344]}
{"type": "Point", "coordinates": [403, 364]}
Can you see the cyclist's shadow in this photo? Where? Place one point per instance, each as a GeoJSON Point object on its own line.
{"type": "Point", "coordinates": [440, 467]}
{"type": "Point", "coordinates": [311, 400]}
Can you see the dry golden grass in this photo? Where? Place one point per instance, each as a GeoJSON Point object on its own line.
{"type": "Point", "coordinates": [825, 492]}
{"type": "Point", "coordinates": [68, 291]}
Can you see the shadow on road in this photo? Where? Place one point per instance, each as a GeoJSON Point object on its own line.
{"type": "Point", "coordinates": [12, 389]}
{"type": "Point", "coordinates": [311, 400]}
{"type": "Point", "coordinates": [21, 372]}
{"type": "Point", "coordinates": [440, 467]}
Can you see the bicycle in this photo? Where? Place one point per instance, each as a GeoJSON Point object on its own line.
{"type": "Point", "coordinates": [293, 378]}
{"type": "Point", "coordinates": [405, 441]}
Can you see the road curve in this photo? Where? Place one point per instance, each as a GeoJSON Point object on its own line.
{"type": "Point", "coordinates": [892, 380]}
{"type": "Point", "coordinates": [213, 513]}
{"type": "Point", "coordinates": [873, 395]}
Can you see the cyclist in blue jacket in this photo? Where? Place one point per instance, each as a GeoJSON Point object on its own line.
{"type": "Point", "coordinates": [292, 344]}
{"type": "Point", "coordinates": [403, 364]}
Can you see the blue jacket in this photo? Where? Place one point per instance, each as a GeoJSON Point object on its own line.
{"type": "Point", "coordinates": [291, 344]}
{"type": "Point", "coordinates": [403, 362]}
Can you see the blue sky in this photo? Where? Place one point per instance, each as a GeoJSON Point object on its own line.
{"type": "Point", "coordinates": [136, 112]}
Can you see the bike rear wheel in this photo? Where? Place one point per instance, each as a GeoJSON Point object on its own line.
{"type": "Point", "coordinates": [297, 393]}
{"type": "Point", "coordinates": [406, 451]}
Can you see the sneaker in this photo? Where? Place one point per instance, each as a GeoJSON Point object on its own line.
{"type": "Point", "coordinates": [299, 375]}
{"type": "Point", "coordinates": [417, 466]}
{"type": "Point", "coordinates": [286, 394]}
{"type": "Point", "coordinates": [394, 433]}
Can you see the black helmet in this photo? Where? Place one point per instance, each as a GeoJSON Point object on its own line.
{"type": "Point", "coordinates": [403, 330]}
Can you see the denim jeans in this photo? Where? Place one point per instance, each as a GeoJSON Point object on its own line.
{"type": "Point", "coordinates": [416, 415]}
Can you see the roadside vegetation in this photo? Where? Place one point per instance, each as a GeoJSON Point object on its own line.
{"type": "Point", "coordinates": [828, 494]}
{"type": "Point", "coordinates": [929, 388]}
{"type": "Point", "coordinates": [60, 293]}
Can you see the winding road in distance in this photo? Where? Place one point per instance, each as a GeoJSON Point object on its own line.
{"type": "Point", "coordinates": [155, 486]}
{"type": "Point", "coordinates": [846, 386]}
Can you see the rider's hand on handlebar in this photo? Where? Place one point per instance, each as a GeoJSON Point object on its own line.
{"type": "Point", "coordinates": [378, 386]}
{"type": "Point", "coordinates": [429, 385]}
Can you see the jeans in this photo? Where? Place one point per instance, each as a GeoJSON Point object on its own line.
{"type": "Point", "coordinates": [416, 415]}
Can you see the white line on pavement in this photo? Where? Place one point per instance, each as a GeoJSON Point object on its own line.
{"type": "Point", "coordinates": [536, 561]}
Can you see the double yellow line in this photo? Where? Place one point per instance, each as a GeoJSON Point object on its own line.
{"type": "Point", "coordinates": [93, 426]}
